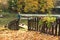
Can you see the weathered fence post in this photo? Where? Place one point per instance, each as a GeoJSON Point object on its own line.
{"type": "Point", "coordinates": [29, 25]}
{"type": "Point", "coordinates": [43, 28]}
{"type": "Point", "coordinates": [52, 30]}
{"type": "Point", "coordinates": [37, 23]}
{"type": "Point", "coordinates": [59, 28]}
{"type": "Point", "coordinates": [56, 26]}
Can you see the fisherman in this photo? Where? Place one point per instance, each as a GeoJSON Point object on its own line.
{"type": "Point", "coordinates": [19, 16]}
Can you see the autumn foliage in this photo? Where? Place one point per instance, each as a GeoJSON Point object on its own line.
{"type": "Point", "coordinates": [31, 5]}
{"type": "Point", "coordinates": [35, 5]}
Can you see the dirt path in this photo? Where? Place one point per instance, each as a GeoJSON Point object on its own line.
{"type": "Point", "coordinates": [25, 35]}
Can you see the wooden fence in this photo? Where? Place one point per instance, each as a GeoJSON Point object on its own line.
{"type": "Point", "coordinates": [53, 30]}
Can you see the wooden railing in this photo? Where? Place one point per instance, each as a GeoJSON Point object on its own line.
{"type": "Point", "coordinates": [53, 30]}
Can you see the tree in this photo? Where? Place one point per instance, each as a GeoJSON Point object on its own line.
{"type": "Point", "coordinates": [0, 7]}
{"type": "Point", "coordinates": [31, 5]}
{"type": "Point", "coordinates": [12, 5]}
{"type": "Point", "coordinates": [20, 5]}
{"type": "Point", "coordinates": [3, 5]}
{"type": "Point", "coordinates": [35, 5]}
{"type": "Point", "coordinates": [46, 5]}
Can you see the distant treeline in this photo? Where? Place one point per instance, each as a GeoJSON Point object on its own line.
{"type": "Point", "coordinates": [27, 6]}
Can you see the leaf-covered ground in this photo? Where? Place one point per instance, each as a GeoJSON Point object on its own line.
{"type": "Point", "coordinates": [25, 35]}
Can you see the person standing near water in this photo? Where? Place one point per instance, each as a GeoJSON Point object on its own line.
{"type": "Point", "coordinates": [18, 19]}
{"type": "Point", "coordinates": [19, 16]}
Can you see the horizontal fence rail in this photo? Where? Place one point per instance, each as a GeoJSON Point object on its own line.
{"type": "Point", "coordinates": [38, 15]}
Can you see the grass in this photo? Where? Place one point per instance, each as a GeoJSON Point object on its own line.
{"type": "Point", "coordinates": [9, 17]}
{"type": "Point", "coordinates": [25, 21]}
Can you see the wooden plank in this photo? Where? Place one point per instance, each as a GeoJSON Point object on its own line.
{"type": "Point", "coordinates": [38, 15]}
